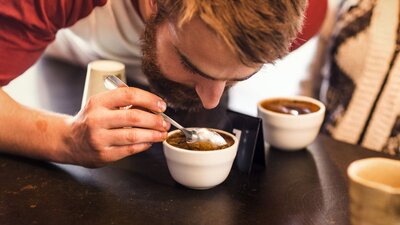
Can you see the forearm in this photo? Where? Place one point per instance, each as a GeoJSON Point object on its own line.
{"type": "Point", "coordinates": [33, 133]}
{"type": "Point", "coordinates": [97, 135]}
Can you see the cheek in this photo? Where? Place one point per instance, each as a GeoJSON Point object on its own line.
{"type": "Point", "coordinates": [170, 65]}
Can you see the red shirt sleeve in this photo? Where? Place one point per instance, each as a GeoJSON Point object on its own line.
{"type": "Point", "coordinates": [28, 26]}
{"type": "Point", "coordinates": [314, 17]}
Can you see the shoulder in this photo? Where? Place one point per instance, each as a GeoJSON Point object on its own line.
{"type": "Point", "coordinates": [29, 26]}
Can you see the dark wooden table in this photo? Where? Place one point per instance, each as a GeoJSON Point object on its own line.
{"type": "Point", "coordinates": [305, 187]}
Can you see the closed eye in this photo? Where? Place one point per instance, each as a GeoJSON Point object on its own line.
{"type": "Point", "coordinates": [187, 67]}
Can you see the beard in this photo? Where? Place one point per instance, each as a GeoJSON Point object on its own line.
{"type": "Point", "coordinates": [177, 96]}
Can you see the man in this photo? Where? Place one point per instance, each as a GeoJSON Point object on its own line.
{"type": "Point", "coordinates": [192, 52]}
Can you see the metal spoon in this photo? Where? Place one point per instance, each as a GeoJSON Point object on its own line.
{"type": "Point", "coordinates": [192, 134]}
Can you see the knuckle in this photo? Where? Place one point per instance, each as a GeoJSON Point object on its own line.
{"type": "Point", "coordinates": [92, 120]}
{"type": "Point", "coordinates": [93, 140]}
{"type": "Point", "coordinates": [91, 103]}
{"type": "Point", "coordinates": [156, 135]}
{"type": "Point", "coordinates": [138, 148]}
{"type": "Point", "coordinates": [133, 149]}
{"type": "Point", "coordinates": [131, 136]}
{"type": "Point", "coordinates": [129, 94]}
{"type": "Point", "coordinates": [102, 157]}
{"type": "Point", "coordinates": [161, 121]}
{"type": "Point", "coordinates": [131, 115]}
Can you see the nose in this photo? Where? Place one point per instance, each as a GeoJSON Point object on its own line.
{"type": "Point", "coordinates": [210, 92]}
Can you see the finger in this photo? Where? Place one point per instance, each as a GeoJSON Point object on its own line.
{"type": "Point", "coordinates": [135, 118]}
{"type": "Point", "coordinates": [136, 97]}
{"type": "Point", "coordinates": [130, 136]}
{"type": "Point", "coordinates": [119, 152]}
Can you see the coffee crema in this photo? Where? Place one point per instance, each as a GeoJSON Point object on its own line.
{"type": "Point", "coordinates": [290, 106]}
{"type": "Point", "coordinates": [178, 140]}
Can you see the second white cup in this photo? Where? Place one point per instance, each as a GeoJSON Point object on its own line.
{"type": "Point", "coordinates": [291, 123]}
{"type": "Point", "coordinates": [96, 72]}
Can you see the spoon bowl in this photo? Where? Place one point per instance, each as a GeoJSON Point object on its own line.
{"type": "Point", "coordinates": [192, 134]}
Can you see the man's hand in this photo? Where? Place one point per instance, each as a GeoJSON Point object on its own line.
{"type": "Point", "coordinates": [102, 132]}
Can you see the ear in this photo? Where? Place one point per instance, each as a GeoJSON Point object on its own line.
{"type": "Point", "coordinates": [149, 8]}
{"type": "Point", "coordinates": [153, 6]}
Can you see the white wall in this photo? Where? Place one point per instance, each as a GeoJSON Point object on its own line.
{"type": "Point", "coordinates": [282, 79]}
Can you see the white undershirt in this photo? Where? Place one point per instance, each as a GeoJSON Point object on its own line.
{"type": "Point", "coordinates": [110, 32]}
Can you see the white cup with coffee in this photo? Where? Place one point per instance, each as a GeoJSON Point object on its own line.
{"type": "Point", "coordinates": [95, 74]}
{"type": "Point", "coordinates": [196, 165]}
{"type": "Point", "coordinates": [374, 191]}
{"type": "Point", "coordinates": [291, 123]}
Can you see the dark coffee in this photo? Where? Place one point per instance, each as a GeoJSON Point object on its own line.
{"type": "Point", "coordinates": [290, 106]}
{"type": "Point", "coordinates": [178, 140]}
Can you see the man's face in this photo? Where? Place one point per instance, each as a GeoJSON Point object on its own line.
{"type": "Point", "coordinates": [190, 67]}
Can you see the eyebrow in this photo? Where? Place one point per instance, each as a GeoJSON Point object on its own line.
{"type": "Point", "coordinates": [196, 70]}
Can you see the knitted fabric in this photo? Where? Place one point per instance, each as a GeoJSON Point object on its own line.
{"type": "Point", "coordinates": [362, 76]}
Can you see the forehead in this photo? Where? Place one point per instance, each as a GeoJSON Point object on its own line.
{"type": "Point", "coordinates": [208, 51]}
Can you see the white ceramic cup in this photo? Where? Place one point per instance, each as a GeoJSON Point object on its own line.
{"type": "Point", "coordinates": [200, 169]}
{"type": "Point", "coordinates": [291, 132]}
{"type": "Point", "coordinates": [374, 191]}
{"type": "Point", "coordinates": [95, 74]}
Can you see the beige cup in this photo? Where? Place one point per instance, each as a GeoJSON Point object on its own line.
{"type": "Point", "coordinates": [96, 72]}
{"type": "Point", "coordinates": [291, 132]}
{"type": "Point", "coordinates": [375, 191]}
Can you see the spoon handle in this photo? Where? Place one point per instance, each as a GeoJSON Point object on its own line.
{"type": "Point", "coordinates": [173, 122]}
{"type": "Point", "coordinates": [112, 82]}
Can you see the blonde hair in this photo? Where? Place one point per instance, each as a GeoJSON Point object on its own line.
{"type": "Point", "coordinates": [258, 31]}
